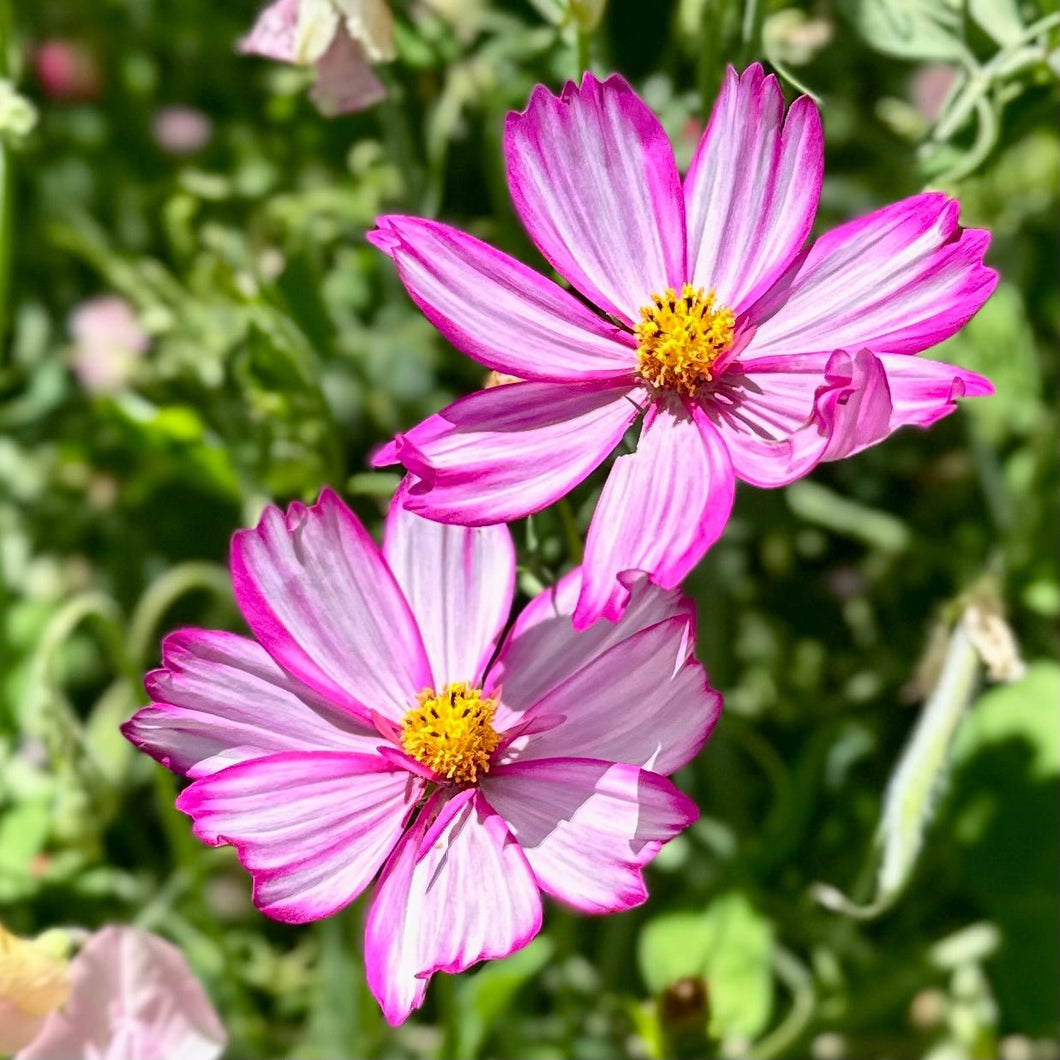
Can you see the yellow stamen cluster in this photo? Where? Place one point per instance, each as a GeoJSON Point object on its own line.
{"type": "Point", "coordinates": [452, 732]}
{"type": "Point", "coordinates": [681, 336]}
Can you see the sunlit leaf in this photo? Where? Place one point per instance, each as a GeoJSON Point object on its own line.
{"type": "Point", "coordinates": [909, 29]}
{"type": "Point", "coordinates": [730, 944]}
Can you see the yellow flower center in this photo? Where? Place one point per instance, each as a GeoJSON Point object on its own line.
{"type": "Point", "coordinates": [681, 336]}
{"type": "Point", "coordinates": [452, 732]}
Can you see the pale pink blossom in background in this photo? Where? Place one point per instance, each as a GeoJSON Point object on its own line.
{"type": "Point", "coordinates": [181, 130]}
{"type": "Point", "coordinates": [930, 87]}
{"type": "Point", "coordinates": [107, 342]}
{"type": "Point", "coordinates": [743, 352]}
{"type": "Point", "coordinates": [68, 71]}
{"type": "Point", "coordinates": [132, 997]}
{"type": "Point", "coordinates": [340, 38]}
{"type": "Point", "coordinates": [375, 730]}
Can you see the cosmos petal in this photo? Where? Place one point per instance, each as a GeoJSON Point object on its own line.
{"type": "Point", "coordinates": [497, 310]}
{"type": "Point", "coordinates": [752, 189]}
{"type": "Point", "coordinates": [459, 582]}
{"type": "Point", "coordinates": [896, 281]}
{"type": "Point", "coordinates": [593, 178]}
{"type": "Point", "coordinates": [456, 891]}
{"type": "Point", "coordinates": [661, 508]}
{"type": "Point", "coordinates": [311, 828]}
{"type": "Point", "coordinates": [503, 453]}
{"type": "Point", "coordinates": [588, 828]}
{"type": "Point", "coordinates": [317, 594]}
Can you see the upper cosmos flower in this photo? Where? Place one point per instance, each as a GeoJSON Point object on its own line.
{"type": "Point", "coordinates": [375, 728]}
{"type": "Point", "coordinates": [747, 355]}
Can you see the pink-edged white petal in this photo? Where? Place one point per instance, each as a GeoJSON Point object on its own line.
{"type": "Point", "coordinates": [588, 828]}
{"type": "Point", "coordinates": [897, 281]}
{"type": "Point", "coordinates": [780, 415]}
{"type": "Point", "coordinates": [345, 80]}
{"type": "Point", "coordinates": [274, 32]}
{"type": "Point", "coordinates": [220, 698]}
{"type": "Point", "coordinates": [661, 508]}
{"type": "Point", "coordinates": [542, 650]}
{"type": "Point", "coordinates": [316, 592]}
{"type": "Point", "coordinates": [132, 996]}
{"type": "Point", "coordinates": [495, 309]}
{"type": "Point", "coordinates": [593, 178]}
{"type": "Point", "coordinates": [752, 189]}
{"type": "Point", "coordinates": [923, 391]}
{"type": "Point", "coordinates": [500, 454]}
{"type": "Point", "coordinates": [888, 391]}
{"type": "Point", "coordinates": [457, 890]}
{"type": "Point", "coordinates": [857, 414]}
{"type": "Point", "coordinates": [644, 702]}
{"type": "Point", "coordinates": [765, 409]}
{"type": "Point", "coordinates": [312, 828]}
{"type": "Point", "coordinates": [459, 582]}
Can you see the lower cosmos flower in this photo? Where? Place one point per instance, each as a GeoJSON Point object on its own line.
{"type": "Point", "coordinates": [746, 355]}
{"type": "Point", "coordinates": [375, 729]}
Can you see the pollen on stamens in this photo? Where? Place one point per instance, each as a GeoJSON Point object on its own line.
{"type": "Point", "coordinates": [681, 336]}
{"type": "Point", "coordinates": [451, 732]}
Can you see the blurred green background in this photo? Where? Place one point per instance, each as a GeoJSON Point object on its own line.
{"type": "Point", "coordinates": [282, 349]}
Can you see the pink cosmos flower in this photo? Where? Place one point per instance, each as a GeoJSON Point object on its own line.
{"type": "Point", "coordinates": [132, 997]}
{"type": "Point", "coordinates": [340, 38]}
{"type": "Point", "coordinates": [376, 729]}
{"type": "Point", "coordinates": [744, 354]}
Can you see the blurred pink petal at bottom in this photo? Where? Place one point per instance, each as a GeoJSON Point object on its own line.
{"type": "Point", "coordinates": [133, 997]}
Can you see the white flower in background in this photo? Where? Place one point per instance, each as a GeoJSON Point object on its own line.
{"type": "Point", "coordinates": [341, 38]}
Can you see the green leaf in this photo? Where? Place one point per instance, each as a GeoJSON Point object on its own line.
{"type": "Point", "coordinates": [1004, 819]}
{"type": "Point", "coordinates": [1000, 18]}
{"type": "Point", "coordinates": [24, 830]}
{"type": "Point", "coordinates": [488, 995]}
{"type": "Point", "coordinates": [336, 1010]}
{"type": "Point", "coordinates": [998, 343]}
{"type": "Point", "coordinates": [1024, 711]}
{"type": "Point", "coordinates": [729, 944]}
{"type": "Point", "coordinates": [818, 504]}
{"type": "Point", "coordinates": [908, 29]}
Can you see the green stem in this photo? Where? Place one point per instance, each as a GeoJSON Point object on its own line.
{"type": "Point", "coordinates": [751, 30]}
{"type": "Point", "coordinates": [160, 597]}
{"type": "Point", "coordinates": [583, 44]}
{"type": "Point", "coordinates": [570, 530]}
{"type": "Point", "coordinates": [710, 65]}
{"type": "Point", "coordinates": [803, 1004]}
{"type": "Point", "coordinates": [910, 795]}
{"type": "Point", "coordinates": [400, 142]}
{"type": "Point", "coordinates": [763, 754]}
{"type": "Point", "coordinates": [6, 184]}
